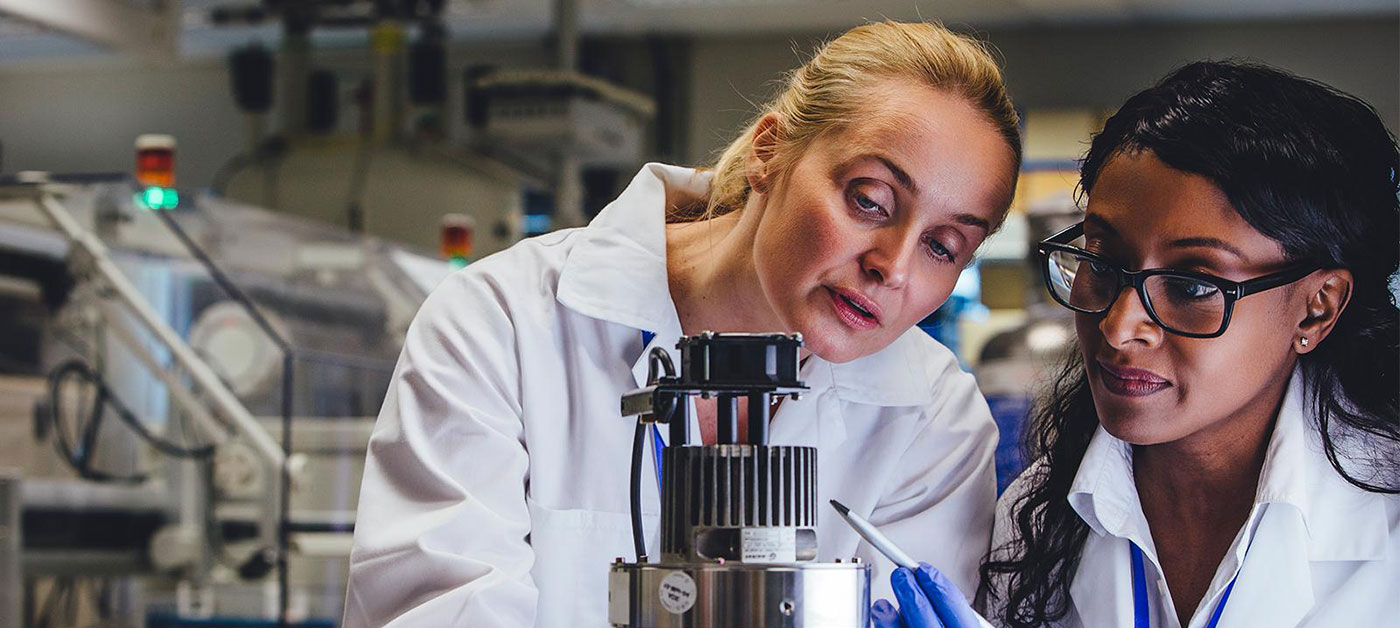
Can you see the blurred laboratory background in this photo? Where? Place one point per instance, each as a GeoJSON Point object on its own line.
{"type": "Point", "coordinates": [218, 217]}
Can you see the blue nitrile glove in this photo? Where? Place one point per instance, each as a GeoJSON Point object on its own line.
{"type": "Point", "coordinates": [927, 599]}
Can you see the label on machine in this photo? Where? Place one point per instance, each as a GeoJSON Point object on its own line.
{"type": "Point", "coordinates": [768, 545]}
{"type": "Point", "coordinates": [677, 592]}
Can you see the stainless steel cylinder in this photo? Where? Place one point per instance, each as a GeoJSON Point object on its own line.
{"type": "Point", "coordinates": [732, 595]}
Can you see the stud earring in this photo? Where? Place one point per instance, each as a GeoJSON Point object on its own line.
{"type": "Point", "coordinates": [1303, 341]}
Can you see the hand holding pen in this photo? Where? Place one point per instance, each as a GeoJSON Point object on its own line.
{"type": "Point", "coordinates": [927, 599]}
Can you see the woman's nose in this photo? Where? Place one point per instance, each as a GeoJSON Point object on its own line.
{"type": "Point", "coordinates": [890, 257]}
{"type": "Point", "coordinates": [1127, 321]}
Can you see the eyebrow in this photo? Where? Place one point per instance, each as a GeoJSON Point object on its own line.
{"type": "Point", "coordinates": [1101, 223]}
{"type": "Point", "coordinates": [901, 177]}
{"type": "Point", "coordinates": [1214, 243]}
{"type": "Point", "coordinates": [905, 181]}
{"type": "Point", "coordinates": [973, 221]}
{"type": "Point", "coordinates": [1192, 242]}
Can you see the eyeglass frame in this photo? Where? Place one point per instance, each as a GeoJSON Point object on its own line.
{"type": "Point", "coordinates": [1232, 290]}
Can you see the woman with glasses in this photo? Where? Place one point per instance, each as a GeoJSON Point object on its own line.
{"type": "Point", "coordinates": [1224, 449]}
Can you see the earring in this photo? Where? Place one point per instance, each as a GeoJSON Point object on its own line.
{"type": "Point", "coordinates": [1303, 341]}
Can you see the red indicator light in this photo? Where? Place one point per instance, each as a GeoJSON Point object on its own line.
{"type": "Point", "coordinates": [155, 160]}
{"type": "Point", "coordinates": [456, 233]}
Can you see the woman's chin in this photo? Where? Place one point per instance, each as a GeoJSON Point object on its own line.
{"type": "Point", "coordinates": [1135, 428]}
{"type": "Point", "coordinates": [835, 347]}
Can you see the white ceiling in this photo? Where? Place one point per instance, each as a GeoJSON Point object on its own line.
{"type": "Point", "coordinates": [516, 19]}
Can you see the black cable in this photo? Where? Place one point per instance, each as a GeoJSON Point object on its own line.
{"type": "Point", "coordinates": [81, 459]}
{"type": "Point", "coordinates": [638, 542]}
{"type": "Point", "coordinates": [658, 360]}
{"type": "Point", "coordinates": [661, 357]}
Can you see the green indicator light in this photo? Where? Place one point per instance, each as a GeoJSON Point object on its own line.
{"type": "Point", "coordinates": [457, 261]}
{"type": "Point", "coordinates": [156, 197]}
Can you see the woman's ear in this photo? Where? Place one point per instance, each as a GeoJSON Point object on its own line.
{"type": "Point", "coordinates": [762, 146]}
{"type": "Point", "coordinates": [1326, 301]}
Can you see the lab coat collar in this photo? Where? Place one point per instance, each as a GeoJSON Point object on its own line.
{"type": "Point", "coordinates": [1342, 521]}
{"type": "Point", "coordinates": [617, 273]}
{"type": "Point", "coordinates": [1104, 493]}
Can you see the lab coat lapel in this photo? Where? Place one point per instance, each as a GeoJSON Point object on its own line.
{"type": "Point", "coordinates": [1102, 590]}
{"type": "Point", "coordinates": [1274, 586]}
{"type": "Point", "coordinates": [1104, 496]}
{"type": "Point", "coordinates": [617, 273]}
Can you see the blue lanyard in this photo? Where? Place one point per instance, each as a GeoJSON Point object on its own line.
{"type": "Point", "coordinates": [656, 446]}
{"type": "Point", "coordinates": [1142, 617]}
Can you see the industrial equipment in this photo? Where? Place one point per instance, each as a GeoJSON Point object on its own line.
{"type": "Point", "coordinates": [738, 517]}
{"type": "Point", "coordinates": [197, 370]}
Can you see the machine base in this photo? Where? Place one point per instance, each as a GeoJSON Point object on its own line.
{"type": "Point", "coordinates": [715, 595]}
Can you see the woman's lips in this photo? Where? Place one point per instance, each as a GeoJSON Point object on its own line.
{"type": "Point", "coordinates": [854, 310]}
{"type": "Point", "coordinates": [1131, 382]}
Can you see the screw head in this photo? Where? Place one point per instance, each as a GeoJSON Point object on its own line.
{"type": "Point", "coordinates": [787, 608]}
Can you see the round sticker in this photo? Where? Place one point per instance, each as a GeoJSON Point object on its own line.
{"type": "Point", "coordinates": [677, 592]}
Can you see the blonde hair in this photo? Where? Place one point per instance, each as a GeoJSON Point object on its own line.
{"type": "Point", "coordinates": [826, 94]}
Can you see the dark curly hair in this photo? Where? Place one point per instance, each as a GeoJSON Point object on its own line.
{"type": "Point", "coordinates": [1308, 166]}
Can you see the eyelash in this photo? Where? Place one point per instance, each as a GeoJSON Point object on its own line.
{"type": "Point", "coordinates": [940, 251]}
{"type": "Point", "coordinates": [874, 209]}
{"type": "Point", "coordinates": [935, 248]}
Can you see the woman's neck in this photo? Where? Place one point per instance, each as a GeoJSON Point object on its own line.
{"type": "Point", "coordinates": [714, 285]}
{"type": "Point", "coordinates": [1205, 477]}
{"type": "Point", "coordinates": [1213, 470]}
{"type": "Point", "coordinates": [1197, 493]}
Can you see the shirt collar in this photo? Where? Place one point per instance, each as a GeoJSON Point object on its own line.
{"type": "Point", "coordinates": [1103, 492]}
{"type": "Point", "coordinates": [1343, 521]}
{"type": "Point", "coordinates": [617, 273]}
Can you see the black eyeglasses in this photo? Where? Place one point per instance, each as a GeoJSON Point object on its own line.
{"type": "Point", "coordinates": [1183, 302]}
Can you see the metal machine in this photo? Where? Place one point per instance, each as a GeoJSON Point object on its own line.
{"type": "Point", "coordinates": [739, 517]}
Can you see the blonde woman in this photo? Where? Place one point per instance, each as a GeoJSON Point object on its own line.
{"type": "Point", "coordinates": [495, 491]}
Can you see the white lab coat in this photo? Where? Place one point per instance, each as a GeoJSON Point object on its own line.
{"type": "Point", "coordinates": [1321, 552]}
{"type": "Point", "coordinates": [496, 486]}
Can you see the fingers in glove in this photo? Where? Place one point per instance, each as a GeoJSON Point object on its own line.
{"type": "Point", "coordinates": [947, 600]}
{"type": "Point", "coordinates": [884, 615]}
{"type": "Point", "coordinates": [914, 606]}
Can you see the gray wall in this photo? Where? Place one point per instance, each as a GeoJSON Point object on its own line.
{"type": "Point", "coordinates": [1075, 67]}
{"type": "Point", "coordinates": [82, 115]}
{"type": "Point", "coordinates": [84, 118]}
